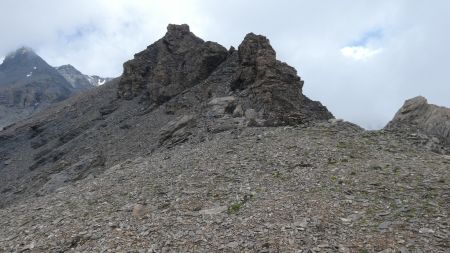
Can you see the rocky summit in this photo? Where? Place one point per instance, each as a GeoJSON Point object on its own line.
{"type": "Point", "coordinates": [196, 148]}
{"type": "Point", "coordinates": [249, 80]}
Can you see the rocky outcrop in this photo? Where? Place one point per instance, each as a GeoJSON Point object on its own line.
{"type": "Point", "coordinates": [252, 76]}
{"type": "Point", "coordinates": [274, 87]}
{"type": "Point", "coordinates": [417, 115]}
{"type": "Point", "coordinates": [174, 63]}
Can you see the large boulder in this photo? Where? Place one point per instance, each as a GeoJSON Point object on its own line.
{"type": "Point", "coordinates": [417, 115]}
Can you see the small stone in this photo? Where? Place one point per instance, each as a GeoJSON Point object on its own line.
{"type": "Point", "coordinates": [238, 111]}
{"type": "Point", "coordinates": [404, 250]}
{"type": "Point", "coordinates": [302, 224]}
{"type": "Point", "coordinates": [385, 225]}
{"type": "Point", "coordinates": [214, 211]}
{"type": "Point", "coordinates": [384, 213]}
{"type": "Point", "coordinates": [343, 249]}
{"type": "Point", "coordinates": [251, 114]}
{"type": "Point", "coordinates": [426, 231]}
{"type": "Point", "coordinates": [139, 211]}
{"type": "Point", "coordinates": [387, 251]}
{"type": "Point", "coordinates": [334, 121]}
{"type": "Point", "coordinates": [232, 245]}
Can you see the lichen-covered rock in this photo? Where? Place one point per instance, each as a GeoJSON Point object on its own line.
{"type": "Point", "coordinates": [416, 114]}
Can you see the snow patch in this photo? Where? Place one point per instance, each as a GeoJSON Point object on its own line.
{"type": "Point", "coordinates": [31, 73]}
{"type": "Point", "coordinates": [34, 67]}
{"type": "Point", "coordinates": [2, 59]}
{"type": "Point", "coordinates": [101, 82]}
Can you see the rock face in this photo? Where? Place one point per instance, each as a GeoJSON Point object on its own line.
{"type": "Point", "coordinates": [416, 114]}
{"type": "Point", "coordinates": [174, 63]}
{"type": "Point", "coordinates": [273, 86]}
{"type": "Point", "coordinates": [252, 75]}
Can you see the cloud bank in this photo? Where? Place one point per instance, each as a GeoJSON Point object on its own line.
{"type": "Point", "coordinates": [361, 59]}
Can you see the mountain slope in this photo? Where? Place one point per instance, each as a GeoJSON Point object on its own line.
{"type": "Point", "coordinates": [315, 188]}
{"type": "Point", "coordinates": [180, 89]}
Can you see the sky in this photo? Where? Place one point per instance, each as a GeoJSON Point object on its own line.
{"type": "Point", "coordinates": [360, 58]}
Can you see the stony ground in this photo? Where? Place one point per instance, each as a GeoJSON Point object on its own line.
{"type": "Point", "coordinates": [317, 188]}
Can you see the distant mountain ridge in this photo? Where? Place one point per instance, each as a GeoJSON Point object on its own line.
{"type": "Point", "coordinates": [29, 84]}
{"type": "Point", "coordinates": [79, 80]}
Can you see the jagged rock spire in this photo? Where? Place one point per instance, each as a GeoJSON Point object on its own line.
{"type": "Point", "coordinates": [180, 60]}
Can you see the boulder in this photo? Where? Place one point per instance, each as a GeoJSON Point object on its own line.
{"type": "Point", "coordinates": [417, 114]}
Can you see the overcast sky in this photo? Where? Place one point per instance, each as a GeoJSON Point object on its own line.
{"type": "Point", "coordinates": [360, 58]}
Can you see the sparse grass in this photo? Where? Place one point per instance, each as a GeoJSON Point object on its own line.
{"type": "Point", "coordinates": [342, 145]}
{"type": "Point", "coordinates": [276, 174]}
{"type": "Point", "coordinates": [234, 208]}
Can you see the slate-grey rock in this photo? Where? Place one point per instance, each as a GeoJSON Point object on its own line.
{"type": "Point", "coordinates": [417, 114]}
{"type": "Point", "coordinates": [166, 68]}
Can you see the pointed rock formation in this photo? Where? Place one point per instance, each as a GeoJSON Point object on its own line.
{"type": "Point", "coordinates": [417, 115]}
{"type": "Point", "coordinates": [253, 75]}
{"type": "Point", "coordinates": [174, 63]}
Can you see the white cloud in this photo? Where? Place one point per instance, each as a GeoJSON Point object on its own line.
{"type": "Point", "coordinates": [360, 52]}
{"type": "Point", "coordinates": [2, 59]}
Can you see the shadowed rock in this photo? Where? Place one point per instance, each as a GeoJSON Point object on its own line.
{"type": "Point", "coordinates": [174, 63]}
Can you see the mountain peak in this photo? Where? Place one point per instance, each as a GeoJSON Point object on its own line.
{"type": "Point", "coordinates": [25, 57]}
{"type": "Point", "coordinates": [178, 29]}
{"type": "Point", "coordinates": [67, 67]}
{"type": "Point", "coordinates": [22, 52]}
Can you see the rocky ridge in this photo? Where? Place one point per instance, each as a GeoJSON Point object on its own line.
{"type": "Point", "coordinates": [80, 81]}
{"type": "Point", "coordinates": [180, 89]}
